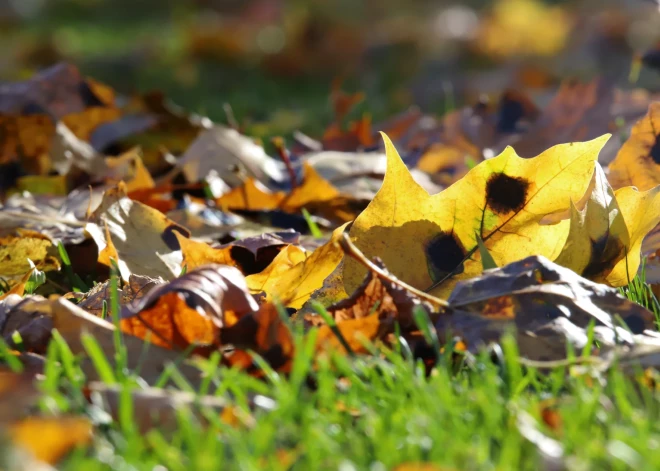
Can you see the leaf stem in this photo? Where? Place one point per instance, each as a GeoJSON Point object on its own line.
{"type": "Point", "coordinates": [352, 251]}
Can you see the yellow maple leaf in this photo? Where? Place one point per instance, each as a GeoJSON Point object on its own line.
{"type": "Point", "coordinates": [427, 239]}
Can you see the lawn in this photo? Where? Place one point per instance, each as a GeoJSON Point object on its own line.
{"type": "Point", "coordinates": [303, 368]}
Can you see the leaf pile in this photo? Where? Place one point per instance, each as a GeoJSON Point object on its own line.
{"type": "Point", "coordinates": [198, 243]}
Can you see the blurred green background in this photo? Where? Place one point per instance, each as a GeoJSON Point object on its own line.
{"type": "Point", "coordinates": [275, 61]}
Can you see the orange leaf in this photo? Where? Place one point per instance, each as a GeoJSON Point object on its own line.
{"type": "Point", "coordinates": [250, 195]}
{"type": "Point", "coordinates": [191, 309]}
{"type": "Point", "coordinates": [51, 438]}
{"type": "Point", "coordinates": [356, 332]}
{"type": "Point", "coordinates": [173, 324]}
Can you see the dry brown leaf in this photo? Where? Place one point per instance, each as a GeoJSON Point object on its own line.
{"type": "Point", "coordinates": [550, 306]}
{"type": "Point", "coordinates": [136, 287]}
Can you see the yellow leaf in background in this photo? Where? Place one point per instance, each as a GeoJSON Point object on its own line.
{"type": "Point", "coordinates": [314, 188]}
{"type": "Point", "coordinates": [143, 237]}
{"type": "Point", "coordinates": [447, 162]}
{"type": "Point", "coordinates": [51, 438]}
{"type": "Point", "coordinates": [83, 123]}
{"type": "Point", "coordinates": [195, 253]}
{"type": "Point", "coordinates": [28, 139]}
{"type": "Point", "coordinates": [289, 256]}
{"type": "Point", "coordinates": [523, 27]}
{"type": "Point", "coordinates": [638, 161]}
{"type": "Point", "coordinates": [251, 195]}
{"type": "Point", "coordinates": [641, 212]}
{"type": "Point", "coordinates": [295, 284]}
{"type": "Point", "coordinates": [598, 237]}
{"type": "Point", "coordinates": [423, 239]}
{"type": "Point", "coordinates": [109, 252]}
{"type": "Point", "coordinates": [17, 246]}
{"type": "Point", "coordinates": [130, 168]}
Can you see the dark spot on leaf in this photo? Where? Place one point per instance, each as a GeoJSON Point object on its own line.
{"type": "Point", "coordinates": [655, 150]}
{"type": "Point", "coordinates": [505, 194]}
{"type": "Point", "coordinates": [445, 255]}
{"type": "Point", "coordinates": [604, 256]}
{"type": "Point", "coordinates": [170, 239]}
{"type": "Point", "coordinates": [635, 323]}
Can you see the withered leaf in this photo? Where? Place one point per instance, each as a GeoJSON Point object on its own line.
{"type": "Point", "coordinates": [58, 91]}
{"type": "Point", "coordinates": [548, 305]}
{"type": "Point", "coordinates": [73, 322]}
{"type": "Point", "coordinates": [136, 287]}
{"type": "Point", "coordinates": [143, 237]}
{"type": "Point", "coordinates": [265, 333]}
{"type": "Point", "coordinates": [190, 309]}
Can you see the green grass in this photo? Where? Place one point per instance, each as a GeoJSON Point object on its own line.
{"type": "Point", "coordinates": [373, 413]}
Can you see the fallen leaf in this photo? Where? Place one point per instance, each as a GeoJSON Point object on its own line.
{"type": "Point", "coordinates": [288, 257]}
{"type": "Point", "coordinates": [314, 189]}
{"type": "Point", "coordinates": [358, 334]}
{"type": "Point", "coordinates": [598, 237]}
{"type": "Point", "coordinates": [156, 408]}
{"type": "Point", "coordinates": [136, 287]}
{"type": "Point", "coordinates": [295, 285]}
{"type": "Point", "coordinates": [263, 332]}
{"type": "Point", "coordinates": [251, 255]}
{"type": "Point", "coordinates": [33, 327]}
{"type": "Point", "coordinates": [73, 322]}
{"type": "Point", "coordinates": [49, 439]}
{"type": "Point", "coordinates": [641, 213]}
{"type": "Point", "coordinates": [59, 91]}
{"type": "Point", "coordinates": [17, 246]}
{"type": "Point", "coordinates": [191, 309]}
{"type": "Point", "coordinates": [578, 112]}
{"type": "Point", "coordinates": [638, 161]}
{"type": "Point", "coordinates": [144, 238]}
{"type": "Point", "coordinates": [220, 148]}
{"type": "Point", "coordinates": [423, 239]}
{"type": "Point", "coordinates": [250, 195]}
{"type": "Point", "coordinates": [548, 305]}
{"type": "Point", "coordinates": [523, 27]}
